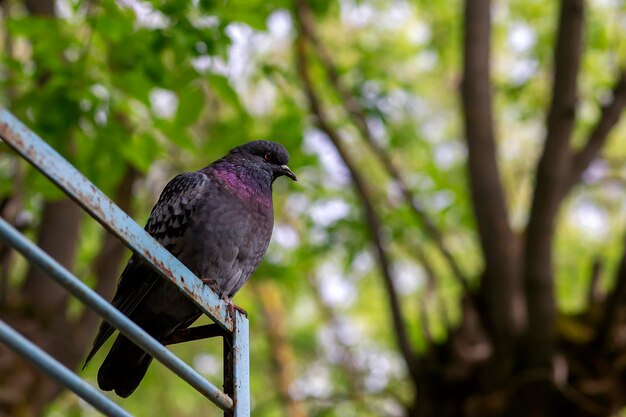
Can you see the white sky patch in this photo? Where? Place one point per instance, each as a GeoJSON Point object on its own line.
{"type": "Point", "coordinates": [433, 128]}
{"type": "Point", "coordinates": [101, 116]}
{"type": "Point", "coordinates": [247, 48]}
{"type": "Point", "coordinates": [204, 21]}
{"type": "Point", "coordinates": [317, 236]}
{"type": "Point", "coordinates": [100, 91]}
{"type": "Point", "coordinates": [63, 9]}
{"type": "Point", "coordinates": [394, 193]}
{"type": "Point", "coordinates": [398, 104]}
{"type": "Point", "coordinates": [441, 200]}
{"type": "Point", "coordinates": [607, 3]}
{"type": "Point", "coordinates": [449, 154]}
{"type": "Point", "coordinates": [260, 97]}
{"type": "Point", "coordinates": [315, 142]}
{"type": "Point", "coordinates": [206, 63]}
{"type": "Point", "coordinates": [420, 181]}
{"type": "Point", "coordinates": [239, 52]}
{"type": "Point", "coordinates": [382, 367]}
{"type": "Point", "coordinates": [315, 383]}
{"type": "Point", "coordinates": [596, 171]}
{"type": "Point", "coordinates": [305, 311]}
{"type": "Point", "coordinates": [298, 203]}
{"type": "Point", "coordinates": [388, 16]}
{"type": "Point", "coordinates": [379, 132]}
{"type": "Point", "coordinates": [337, 339]}
{"type": "Point", "coordinates": [208, 365]}
{"type": "Point", "coordinates": [426, 60]}
{"type": "Point", "coordinates": [286, 236]}
{"type": "Point", "coordinates": [363, 263]}
{"type": "Point", "coordinates": [419, 33]}
{"type": "Point", "coordinates": [356, 14]}
{"type": "Point", "coordinates": [147, 16]}
{"type": "Point", "coordinates": [327, 212]}
{"type": "Point", "coordinates": [279, 24]}
{"type": "Point", "coordinates": [333, 351]}
{"type": "Point", "coordinates": [395, 15]}
{"type": "Point", "coordinates": [521, 37]}
{"type": "Point", "coordinates": [522, 70]}
{"type": "Point", "coordinates": [348, 332]}
{"type": "Point", "coordinates": [344, 341]}
{"type": "Point", "coordinates": [590, 219]}
{"type": "Point", "coordinates": [335, 289]}
{"type": "Point", "coordinates": [519, 66]}
{"type": "Point", "coordinates": [164, 102]}
{"type": "Point", "coordinates": [408, 277]}
{"type": "Point", "coordinates": [371, 91]}
{"type": "Point", "coordinates": [202, 64]}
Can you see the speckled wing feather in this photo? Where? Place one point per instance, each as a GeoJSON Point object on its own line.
{"type": "Point", "coordinates": [171, 215]}
{"type": "Point", "coordinates": [167, 223]}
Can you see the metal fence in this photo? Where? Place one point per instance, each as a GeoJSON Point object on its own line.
{"type": "Point", "coordinates": [235, 399]}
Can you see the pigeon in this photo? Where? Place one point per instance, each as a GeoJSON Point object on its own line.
{"type": "Point", "coordinates": [217, 221]}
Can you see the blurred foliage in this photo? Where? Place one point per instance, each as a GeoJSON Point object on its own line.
{"type": "Point", "coordinates": [168, 86]}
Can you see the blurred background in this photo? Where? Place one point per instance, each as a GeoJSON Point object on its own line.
{"type": "Point", "coordinates": [454, 245]}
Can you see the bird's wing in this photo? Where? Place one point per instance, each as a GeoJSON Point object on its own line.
{"type": "Point", "coordinates": [168, 221]}
{"type": "Point", "coordinates": [172, 214]}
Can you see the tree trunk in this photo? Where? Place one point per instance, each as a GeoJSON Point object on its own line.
{"type": "Point", "coordinates": [40, 312]}
{"type": "Point", "coordinates": [508, 357]}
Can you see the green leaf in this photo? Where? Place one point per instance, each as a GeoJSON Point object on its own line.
{"type": "Point", "coordinates": [222, 88]}
{"type": "Point", "coordinates": [190, 105]}
{"type": "Point", "coordinates": [141, 151]}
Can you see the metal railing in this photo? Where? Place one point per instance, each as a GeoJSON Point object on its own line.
{"type": "Point", "coordinates": [235, 399]}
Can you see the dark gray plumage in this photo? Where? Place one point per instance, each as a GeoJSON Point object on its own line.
{"type": "Point", "coordinates": [218, 221]}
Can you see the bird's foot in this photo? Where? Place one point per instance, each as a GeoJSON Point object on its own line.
{"type": "Point", "coordinates": [211, 283]}
{"type": "Point", "coordinates": [232, 307]}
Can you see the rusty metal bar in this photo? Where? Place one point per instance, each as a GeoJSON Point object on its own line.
{"type": "Point", "coordinates": [195, 333]}
{"type": "Point", "coordinates": [234, 331]}
{"type": "Point", "coordinates": [100, 207]}
{"type": "Point", "coordinates": [241, 366]}
{"type": "Point", "coordinates": [46, 363]}
{"type": "Point", "coordinates": [57, 272]}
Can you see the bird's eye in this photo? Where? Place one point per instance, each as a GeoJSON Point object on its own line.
{"type": "Point", "coordinates": [267, 156]}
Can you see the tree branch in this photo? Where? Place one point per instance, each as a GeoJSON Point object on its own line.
{"type": "Point", "coordinates": [281, 353]}
{"type": "Point", "coordinates": [552, 176]}
{"type": "Point", "coordinates": [594, 294]}
{"type": "Point", "coordinates": [371, 217]}
{"type": "Point", "coordinates": [615, 299]}
{"type": "Point", "coordinates": [40, 8]}
{"type": "Point", "coordinates": [356, 114]}
{"type": "Point", "coordinates": [500, 286]}
{"type": "Point", "coordinates": [609, 117]}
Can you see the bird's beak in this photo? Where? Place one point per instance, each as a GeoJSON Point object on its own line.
{"type": "Point", "coordinates": [287, 171]}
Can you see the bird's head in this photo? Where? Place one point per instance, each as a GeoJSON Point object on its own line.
{"type": "Point", "coordinates": [268, 156]}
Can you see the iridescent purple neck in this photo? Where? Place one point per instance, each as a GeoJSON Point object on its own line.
{"type": "Point", "coordinates": [244, 185]}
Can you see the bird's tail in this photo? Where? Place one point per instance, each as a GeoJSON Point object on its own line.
{"type": "Point", "coordinates": [123, 368]}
